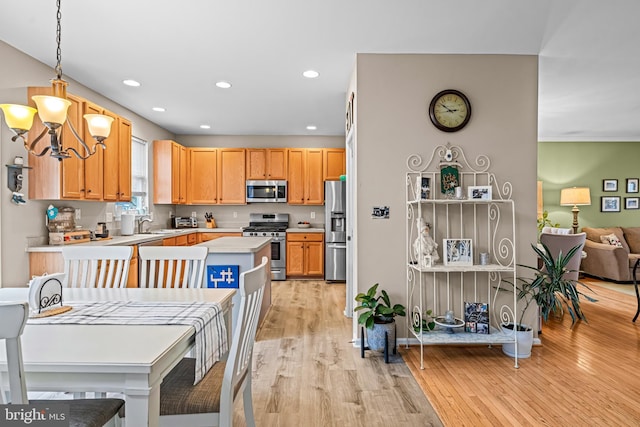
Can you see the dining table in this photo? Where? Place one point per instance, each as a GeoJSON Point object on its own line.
{"type": "Point", "coordinates": [131, 359]}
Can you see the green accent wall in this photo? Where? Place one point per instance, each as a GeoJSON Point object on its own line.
{"type": "Point", "coordinates": [587, 164]}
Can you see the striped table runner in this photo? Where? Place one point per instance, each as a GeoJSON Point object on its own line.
{"type": "Point", "coordinates": [206, 317]}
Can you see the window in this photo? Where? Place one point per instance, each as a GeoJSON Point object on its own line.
{"type": "Point", "coordinates": [139, 178]}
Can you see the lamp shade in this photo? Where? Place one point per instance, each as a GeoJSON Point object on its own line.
{"type": "Point", "coordinates": [99, 125]}
{"type": "Point", "coordinates": [575, 196]}
{"type": "Point", "coordinates": [18, 117]}
{"type": "Point", "coordinates": [52, 109]}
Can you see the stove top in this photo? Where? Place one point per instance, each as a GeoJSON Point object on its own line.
{"type": "Point", "coordinates": [267, 223]}
{"type": "Point", "coordinates": [270, 227]}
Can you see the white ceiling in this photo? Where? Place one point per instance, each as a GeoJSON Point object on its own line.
{"type": "Point", "coordinates": [589, 56]}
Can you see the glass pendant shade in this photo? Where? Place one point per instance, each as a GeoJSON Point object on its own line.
{"type": "Point", "coordinates": [18, 117]}
{"type": "Point", "coordinates": [52, 109]}
{"type": "Point", "coordinates": [99, 125]}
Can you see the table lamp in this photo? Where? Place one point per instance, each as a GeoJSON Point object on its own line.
{"type": "Point", "coordinates": [575, 196]}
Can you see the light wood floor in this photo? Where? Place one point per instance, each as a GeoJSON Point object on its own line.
{"type": "Point", "coordinates": [307, 372]}
{"type": "Point", "coordinates": [585, 376]}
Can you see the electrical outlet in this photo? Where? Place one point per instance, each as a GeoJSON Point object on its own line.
{"type": "Point", "coordinates": [194, 214]}
{"type": "Point", "coordinates": [235, 214]}
{"type": "Point", "coordinates": [109, 217]}
{"type": "Point", "coordinates": [78, 215]}
{"type": "Point", "coordinates": [170, 213]}
{"type": "Point", "coordinates": [313, 215]}
{"type": "Point", "coordinates": [151, 216]}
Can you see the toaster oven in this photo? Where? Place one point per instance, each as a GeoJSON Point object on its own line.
{"type": "Point", "coordinates": [185, 222]}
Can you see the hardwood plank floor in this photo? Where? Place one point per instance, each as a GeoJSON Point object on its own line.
{"type": "Point", "coordinates": [587, 376]}
{"type": "Point", "coordinates": [308, 373]}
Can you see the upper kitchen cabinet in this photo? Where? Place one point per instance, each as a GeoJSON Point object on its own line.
{"type": "Point", "coordinates": [170, 162]}
{"type": "Point", "coordinates": [202, 176]}
{"type": "Point", "coordinates": [305, 183]}
{"type": "Point", "coordinates": [73, 178]}
{"type": "Point", "coordinates": [117, 161]}
{"type": "Point", "coordinates": [267, 163]}
{"type": "Point", "coordinates": [334, 163]}
{"type": "Point", "coordinates": [231, 176]}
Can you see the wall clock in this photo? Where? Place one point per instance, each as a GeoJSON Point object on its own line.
{"type": "Point", "coordinates": [450, 110]}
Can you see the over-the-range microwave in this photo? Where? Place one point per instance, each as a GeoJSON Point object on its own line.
{"type": "Point", "coordinates": [266, 191]}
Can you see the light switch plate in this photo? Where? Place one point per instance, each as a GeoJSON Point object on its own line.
{"type": "Point", "coordinates": [78, 215]}
{"type": "Point", "coordinates": [313, 215]}
{"type": "Point", "coordinates": [109, 217]}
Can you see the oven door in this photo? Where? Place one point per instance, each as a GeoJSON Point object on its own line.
{"type": "Point", "coordinates": [278, 258]}
{"type": "Point", "coordinates": [266, 191]}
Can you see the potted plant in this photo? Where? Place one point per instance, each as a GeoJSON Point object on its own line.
{"type": "Point", "coordinates": [544, 221]}
{"type": "Point", "coordinates": [378, 316]}
{"type": "Point", "coordinates": [551, 291]}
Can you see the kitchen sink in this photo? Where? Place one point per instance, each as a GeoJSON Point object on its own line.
{"type": "Point", "coordinates": [165, 231]}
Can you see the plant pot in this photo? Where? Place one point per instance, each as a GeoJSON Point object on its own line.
{"type": "Point", "coordinates": [525, 341]}
{"type": "Point", "coordinates": [375, 336]}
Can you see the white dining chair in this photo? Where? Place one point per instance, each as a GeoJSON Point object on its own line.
{"type": "Point", "coordinates": [172, 266]}
{"type": "Point", "coordinates": [82, 412]}
{"type": "Point", "coordinates": [97, 266]}
{"type": "Point", "coordinates": [210, 402]}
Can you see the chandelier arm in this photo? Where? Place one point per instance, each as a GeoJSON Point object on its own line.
{"type": "Point", "coordinates": [31, 147]}
{"type": "Point", "coordinates": [78, 155]}
{"type": "Point", "coordinates": [81, 141]}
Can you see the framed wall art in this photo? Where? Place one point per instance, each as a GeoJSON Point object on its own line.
{"type": "Point", "coordinates": [609, 185]}
{"type": "Point", "coordinates": [632, 185]}
{"type": "Point", "coordinates": [457, 252]}
{"type": "Point", "coordinates": [632, 202]}
{"type": "Point", "coordinates": [610, 204]}
{"type": "Point", "coordinates": [479, 192]}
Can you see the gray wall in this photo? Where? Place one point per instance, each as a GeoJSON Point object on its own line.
{"type": "Point", "coordinates": [392, 96]}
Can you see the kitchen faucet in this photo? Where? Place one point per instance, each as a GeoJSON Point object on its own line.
{"type": "Point", "coordinates": [141, 222]}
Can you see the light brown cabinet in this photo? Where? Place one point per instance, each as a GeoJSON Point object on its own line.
{"type": "Point", "coordinates": [202, 176]}
{"type": "Point", "coordinates": [117, 161]}
{"type": "Point", "coordinates": [305, 255]}
{"type": "Point", "coordinates": [132, 278]}
{"type": "Point", "coordinates": [170, 163]}
{"type": "Point", "coordinates": [334, 163]}
{"type": "Point", "coordinates": [231, 176]}
{"type": "Point", "coordinates": [267, 163]}
{"type": "Point", "coordinates": [73, 178]}
{"type": "Point", "coordinates": [205, 237]}
{"type": "Point", "coordinates": [305, 183]}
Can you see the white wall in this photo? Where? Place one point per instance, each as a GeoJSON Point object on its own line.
{"type": "Point", "coordinates": [393, 95]}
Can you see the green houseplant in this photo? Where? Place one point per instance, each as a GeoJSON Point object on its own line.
{"type": "Point", "coordinates": [552, 292]}
{"type": "Point", "coordinates": [378, 316]}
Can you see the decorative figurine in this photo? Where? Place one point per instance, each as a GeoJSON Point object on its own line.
{"type": "Point", "coordinates": [425, 249]}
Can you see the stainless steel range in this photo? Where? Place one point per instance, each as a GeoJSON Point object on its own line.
{"type": "Point", "coordinates": [275, 226]}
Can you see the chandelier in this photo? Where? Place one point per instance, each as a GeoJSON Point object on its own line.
{"type": "Point", "coordinates": [52, 111]}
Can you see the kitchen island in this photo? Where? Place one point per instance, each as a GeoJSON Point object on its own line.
{"type": "Point", "coordinates": [244, 252]}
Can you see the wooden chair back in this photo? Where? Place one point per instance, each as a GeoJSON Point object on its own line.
{"type": "Point", "coordinates": [97, 266]}
{"type": "Point", "coordinates": [172, 266]}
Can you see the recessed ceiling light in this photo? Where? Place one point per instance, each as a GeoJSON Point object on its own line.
{"type": "Point", "coordinates": [311, 74]}
{"type": "Point", "coordinates": [159, 109]}
{"type": "Point", "coordinates": [130, 82]}
{"type": "Point", "coordinates": [223, 85]}
{"type": "Point", "coordinates": [205, 127]}
{"type": "Point", "coordinates": [312, 127]}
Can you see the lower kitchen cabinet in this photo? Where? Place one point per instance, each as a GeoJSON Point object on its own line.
{"type": "Point", "coordinates": [305, 255]}
{"type": "Point", "coordinates": [132, 279]}
{"type": "Point", "coordinates": [205, 237]}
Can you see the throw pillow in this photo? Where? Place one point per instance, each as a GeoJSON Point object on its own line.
{"type": "Point", "coordinates": [611, 239]}
{"type": "Point", "coordinates": [632, 236]}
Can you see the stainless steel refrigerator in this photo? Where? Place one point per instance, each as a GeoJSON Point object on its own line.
{"type": "Point", "coordinates": [335, 229]}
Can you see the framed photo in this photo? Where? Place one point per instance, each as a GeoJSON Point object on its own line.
{"type": "Point", "coordinates": [423, 188]}
{"type": "Point", "coordinates": [479, 192]}
{"type": "Point", "coordinates": [610, 185]}
{"type": "Point", "coordinates": [610, 204]}
{"type": "Point", "coordinates": [632, 185]}
{"type": "Point", "coordinates": [632, 202]}
{"type": "Point", "coordinates": [457, 252]}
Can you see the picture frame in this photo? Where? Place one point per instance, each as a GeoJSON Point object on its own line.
{"type": "Point", "coordinates": [423, 188]}
{"type": "Point", "coordinates": [609, 185]}
{"type": "Point", "coordinates": [632, 185]}
{"type": "Point", "coordinates": [610, 204]}
{"type": "Point", "coordinates": [479, 192]}
{"type": "Point", "coordinates": [457, 252]}
{"type": "Point", "coordinates": [632, 202]}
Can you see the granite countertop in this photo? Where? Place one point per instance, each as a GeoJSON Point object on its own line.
{"type": "Point", "coordinates": [305, 230]}
{"type": "Point", "coordinates": [236, 244]}
{"type": "Point", "coordinates": [136, 238]}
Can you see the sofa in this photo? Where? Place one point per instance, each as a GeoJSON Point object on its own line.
{"type": "Point", "coordinates": [611, 252]}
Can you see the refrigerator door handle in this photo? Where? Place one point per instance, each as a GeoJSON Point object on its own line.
{"type": "Point", "coordinates": [336, 245]}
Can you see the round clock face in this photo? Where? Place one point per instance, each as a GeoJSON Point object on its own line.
{"type": "Point", "coordinates": [450, 110]}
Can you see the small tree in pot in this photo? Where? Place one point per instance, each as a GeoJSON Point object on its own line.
{"type": "Point", "coordinates": [378, 316]}
{"type": "Point", "coordinates": [551, 291]}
